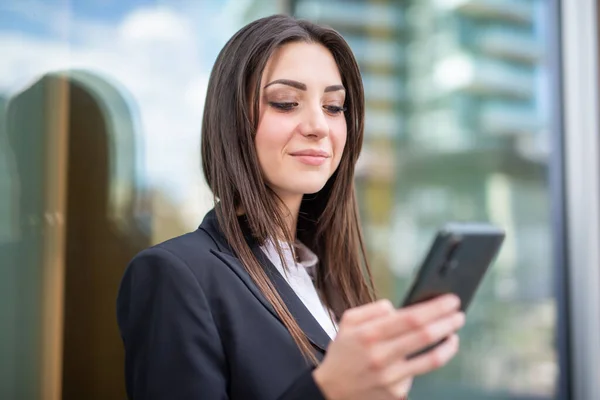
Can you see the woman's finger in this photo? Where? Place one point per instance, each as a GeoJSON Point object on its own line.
{"type": "Point", "coordinates": [400, 389]}
{"type": "Point", "coordinates": [399, 371]}
{"type": "Point", "coordinates": [434, 359]}
{"type": "Point", "coordinates": [368, 312]}
{"type": "Point", "coordinates": [412, 318]}
{"type": "Point", "coordinates": [404, 345]}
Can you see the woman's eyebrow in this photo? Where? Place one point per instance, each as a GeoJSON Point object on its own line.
{"type": "Point", "coordinates": [302, 86]}
{"type": "Point", "coordinates": [334, 88]}
{"type": "Point", "coordinates": [288, 82]}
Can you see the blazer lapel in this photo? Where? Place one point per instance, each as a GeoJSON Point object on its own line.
{"type": "Point", "coordinates": [309, 325]}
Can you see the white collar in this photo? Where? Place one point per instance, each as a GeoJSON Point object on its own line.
{"type": "Point", "coordinates": [306, 257]}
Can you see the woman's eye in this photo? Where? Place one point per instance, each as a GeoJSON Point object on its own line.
{"type": "Point", "coordinates": [335, 109]}
{"type": "Point", "coordinates": [283, 106]}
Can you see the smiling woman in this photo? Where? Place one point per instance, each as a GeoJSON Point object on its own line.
{"type": "Point", "coordinates": [462, 123]}
{"type": "Point", "coordinates": [272, 297]}
{"type": "Point", "coordinates": [302, 129]}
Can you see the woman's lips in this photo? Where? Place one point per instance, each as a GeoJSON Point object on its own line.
{"type": "Point", "coordinates": [311, 160]}
{"type": "Point", "coordinates": [311, 157]}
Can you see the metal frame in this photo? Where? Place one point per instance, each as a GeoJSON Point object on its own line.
{"type": "Point", "coordinates": [582, 183]}
{"type": "Point", "coordinates": [557, 185]}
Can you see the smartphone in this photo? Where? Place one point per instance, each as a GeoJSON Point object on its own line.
{"type": "Point", "coordinates": [456, 263]}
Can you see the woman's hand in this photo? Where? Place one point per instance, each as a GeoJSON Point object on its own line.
{"type": "Point", "coordinates": [368, 358]}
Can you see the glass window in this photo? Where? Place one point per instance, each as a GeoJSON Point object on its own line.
{"type": "Point", "coordinates": [469, 142]}
{"type": "Point", "coordinates": [101, 106]}
{"type": "Point", "coordinates": [100, 112]}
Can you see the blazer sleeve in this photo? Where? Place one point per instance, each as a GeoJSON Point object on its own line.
{"type": "Point", "coordinates": [303, 388]}
{"type": "Point", "coordinates": [172, 347]}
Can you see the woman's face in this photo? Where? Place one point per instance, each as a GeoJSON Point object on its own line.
{"type": "Point", "coordinates": [301, 128]}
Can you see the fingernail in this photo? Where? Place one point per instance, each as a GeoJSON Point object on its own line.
{"type": "Point", "coordinates": [456, 340]}
{"type": "Point", "coordinates": [460, 319]}
{"type": "Point", "coordinates": [453, 301]}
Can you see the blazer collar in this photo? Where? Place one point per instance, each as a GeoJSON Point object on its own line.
{"type": "Point", "coordinates": [309, 325]}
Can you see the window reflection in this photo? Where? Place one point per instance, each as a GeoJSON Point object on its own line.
{"type": "Point", "coordinates": [101, 229]}
{"type": "Point", "coordinates": [456, 129]}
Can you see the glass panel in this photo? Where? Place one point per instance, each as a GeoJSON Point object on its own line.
{"type": "Point", "coordinates": [135, 74]}
{"type": "Point", "coordinates": [457, 130]}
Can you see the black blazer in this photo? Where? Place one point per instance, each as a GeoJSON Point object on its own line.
{"type": "Point", "coordinates": [195, 326]}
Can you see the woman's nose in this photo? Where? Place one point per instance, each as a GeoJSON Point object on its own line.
{"type": "Point", "coordinates": [314, 123]}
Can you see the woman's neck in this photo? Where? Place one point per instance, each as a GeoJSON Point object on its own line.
{"type": "Point", "coordinates": [291, 210]}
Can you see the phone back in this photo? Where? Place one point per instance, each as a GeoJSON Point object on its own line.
{"type": "Point", "coordinates": [456, 263]}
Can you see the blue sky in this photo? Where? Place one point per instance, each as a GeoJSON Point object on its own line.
{"type": "Point", "coordinates": [159, 52]}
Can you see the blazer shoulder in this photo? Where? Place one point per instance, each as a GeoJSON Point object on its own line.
{"type": "Point", "coordinates": [193, 244]}
{"type": "Point", "coordinates": [194, 250]}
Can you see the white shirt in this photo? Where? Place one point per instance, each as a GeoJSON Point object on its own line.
{"type": "Point", "coordinates": [298, 276]}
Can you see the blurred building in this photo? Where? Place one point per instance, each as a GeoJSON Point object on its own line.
{"type": "Point", "coordinates": [475, 72]}
{"type": "Point", "coordinates": [457, 129]}
{"type": "Point", "coordinates": [478, 128]}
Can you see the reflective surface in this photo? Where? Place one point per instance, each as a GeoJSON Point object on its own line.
{"type": "Point", "coordinates": [459, 132]}
{"type": "Point", "coordinates": [457, 129]}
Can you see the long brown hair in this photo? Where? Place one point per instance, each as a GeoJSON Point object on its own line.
{"type": "Point", "coordinates": [328, 222]}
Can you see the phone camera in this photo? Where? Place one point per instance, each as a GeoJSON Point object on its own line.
{"type": "Point", "coordinates": [450, 263]}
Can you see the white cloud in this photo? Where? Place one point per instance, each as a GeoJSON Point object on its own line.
{"type": "Point", "coordinates": [153, 53]}
{"type": "Point", "coordinates": [155, 24]}
{"type": "Point", "coordinates": [195, 94]}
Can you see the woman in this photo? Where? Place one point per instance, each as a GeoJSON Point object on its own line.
{"type": "Point", "coordinates": [271, 298]}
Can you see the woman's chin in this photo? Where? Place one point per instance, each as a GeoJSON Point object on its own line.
{"type": "Point", "coordinates": [313, 188]}
{"type": "Point", "coordinates": [300, 188]}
